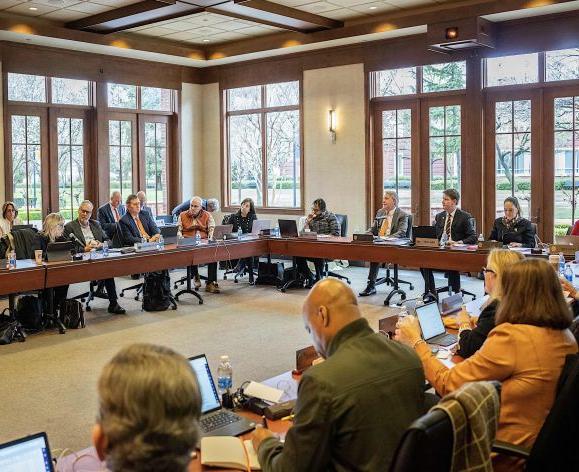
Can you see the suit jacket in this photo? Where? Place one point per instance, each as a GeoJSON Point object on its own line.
{"type": "Point", "coordinates": [352, 409]}
{"type": "Point", "coordinates": [73, 227]}
{"type": "Point", "coordinates": [148, 209]}
{"type": "Point", "coordinates": [526, 359]}
{"type": "Point", "coordinates": [399, 223]}
{"type": "Point", "coordinates": [523, 232]}
{"type": "Point", "coordinates": [471, 340]}
{"type": "Point", "coordinates": [129, 233]}
{"type": "Point", "coordinates": [461, 228]}
{"type": "Point", "coordinates": [107, 219]}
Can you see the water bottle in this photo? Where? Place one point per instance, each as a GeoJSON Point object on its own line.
{"type": "Point", "coordinates": [224, 375]}
{"type": "Point", "coordinates": [561, 263]}
{"type": "Point", "coordinates": [481, 238]}
{"type": "Point", "coordinates": [11, 260]}
{"type": "Point", "coordinates": [161, 242]}
{"type": "Point", "coordinates": [568, 273]}
{"type": "Point", "coordinates": [197, 237]}
{"type": "Point", "coordinates": [443, 240]}
{"type": "Point", "coordinates": [143, 240]}
{"type": "Point", "coordinates": [276, 232]}
{"type": "Point", "coordinates": [239, 233]}
{"type": "Point", "coordinates": [175, 219]}
{"type": "Point", "coordinates": [105, 249]}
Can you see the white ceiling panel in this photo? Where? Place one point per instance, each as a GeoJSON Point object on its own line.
{"type": "Point", "coordinates": [24, 8]}
{"type": "Point", "coordinates": [318, 7]}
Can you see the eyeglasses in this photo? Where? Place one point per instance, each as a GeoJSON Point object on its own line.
{"type": "Point", "coordinates": [490, 271]}
{"type": "Point", "coordinates": [85, 211]}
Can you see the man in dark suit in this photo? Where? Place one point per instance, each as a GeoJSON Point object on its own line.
{"type": "Point", "coordinates": [457, 226]}
{"type": "Point", "coordinates": [136, 224]}
{"type": "Point", "coordinates": [91, 236]}
{"type": "Point", "coordinates": [142, 196]}
{"type": "Point", "coordinates": [110, 213]}
{"type": "Point", "coordinates": [390, 221]}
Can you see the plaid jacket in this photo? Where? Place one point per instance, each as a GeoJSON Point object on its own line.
{"type": "Point", "coordinates": [325, 223]}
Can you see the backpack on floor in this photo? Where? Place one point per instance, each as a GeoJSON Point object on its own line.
{"type": "Point", "coordinates": [10, 330]}
{"type": "Point", "coordinates": [157, 291]}
{"type": "Point", "coordinates": [29, 313]}
{"type": "Point", "coordinates": [71, 314]}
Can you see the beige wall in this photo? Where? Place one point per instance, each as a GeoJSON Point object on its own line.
{"type": "Point", "coordinates": [335, 172]}
{"type": "Point", "coordinates": [2, 180]}
{"type": "Point", "coordinates": [191, 139]}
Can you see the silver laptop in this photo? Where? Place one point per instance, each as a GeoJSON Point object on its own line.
{"type": "Point", "coordinates": [222, 230]}
{"type": "Point", "coordinates": [258, 225]}
{"type": "Point", "coordinates": [215, 421]}
{"type": "Point", "coordinates": [433, 330]}
{"type": "Point", "coordinates": [31, 453]}
{"type": "Point", "coordinates": [451, 305]}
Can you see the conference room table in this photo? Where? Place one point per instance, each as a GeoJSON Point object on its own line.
{"type": "Point", "coordinates": [28, 276]}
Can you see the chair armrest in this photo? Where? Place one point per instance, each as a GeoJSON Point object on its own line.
{"type": "Point", "coordinates": [509, 449]}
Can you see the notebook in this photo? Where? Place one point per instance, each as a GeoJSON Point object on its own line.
{"type": "Point", "coordinates": [215, 421]}
{"type": "Point", "coordinates": [229, 453]}
{"type": "Point", "coordinates": [31, 453]}
{"type": "Point", "coordinates": [432, 327]}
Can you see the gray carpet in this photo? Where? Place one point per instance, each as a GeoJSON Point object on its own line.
{"type": "Point", "coordinates": [49, 382]}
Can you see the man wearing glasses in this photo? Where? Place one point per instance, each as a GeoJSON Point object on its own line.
{"type": "Point", "coordinates": [90, 234]}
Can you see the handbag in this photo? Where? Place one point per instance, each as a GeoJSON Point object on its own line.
{"type": "Point", "coordinates": [11, 330]}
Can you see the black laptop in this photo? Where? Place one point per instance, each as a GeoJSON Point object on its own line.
{"type": "Point", "coordinates": [288, 228]}
{"type": "Point", "coordinates": [433, 330]}
{"type": "Point", "coordinates": [59, 251]}
{"type": "Point", "coordinates": [169, 233]}
{"type": "Point", "coordinates": [215, 421]}
{"type": "Point", "coordinates": [423, 232]}
{"type": "Point", "coordinates": [31, 453]}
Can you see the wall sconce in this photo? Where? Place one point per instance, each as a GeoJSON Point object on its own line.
{"type": "Point", "coordinates": [332, 123]}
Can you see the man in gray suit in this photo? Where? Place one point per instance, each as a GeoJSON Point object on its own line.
{"type": "Point", "coordinates": [142, 196]}
{"type": "Point", "coordinates": [390, 221]}
{"type": "Point", "coordinates": [89, 235]}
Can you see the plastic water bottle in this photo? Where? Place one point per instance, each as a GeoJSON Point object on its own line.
{"type": "Point", "coordinates": [443, 240]}
{"type": "Point", "coordinates": [105, 248]}
{"type": "Point", "coordinates": [224, 375]}
{"type": "Point", "coordinates": [239, 233]}
{"type": "Point", "coordinates": [481, 238]}
{"type": "Point", "coordinates": [143, 240]}
{"type": "Point", "coordinates": [568, 273]}
{"type": "Point", "coordinates": [175, 218]}
{"type": "Point", "coordinates": [11, 260]}
{"type": "Point", "coordinates": [197, 237]}
{"type": "Point", "coordinates": [561, 264]}
{"type": "Point", "coordinates": [161, 242]}
{"type": "Point", "coordinates": [276, 232]}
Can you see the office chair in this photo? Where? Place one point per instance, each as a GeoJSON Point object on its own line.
{"type": "Point", "coordinates": [556, 445]}
{"type": "Point", "coordinates": [343, 222]}
{"type": "Point", "coordinates": [238, 266]}
{"type": "Point", "coordinates": [96, 289]}
{"type": "Point", "coordinates": [118, 243]}
{"type": "Point", "coordinates": [188, 288]}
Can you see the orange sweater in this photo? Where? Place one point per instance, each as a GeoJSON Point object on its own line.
{"type": "Point", "coordinates": [203, 222]}
{"type": "Point", "coordinates": [526, 359]}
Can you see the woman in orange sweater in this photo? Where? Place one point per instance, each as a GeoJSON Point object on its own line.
{"type": "Point", "coordinates": [525, 351]}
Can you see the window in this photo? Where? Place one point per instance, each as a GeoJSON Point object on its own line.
{"type": "Point", "coordinates": [443, 77]}
{"type": "Point", "coordinates": [445, 150]}
{"type": "Point", "coordinates": [157, 99]}
{"type": "Point", "coordinates": [122, 96]}
{"type": "Point", "coordinates": [121, 157]}
{"type": "Point", "coordinates": [263, 145]}
{"type": "Point", "coordinates": [512, 70]}
{"type": "Point", "coordinates": [566, 129]}
{"type": "Point", "coordinates": [70, 91]}
{"type": "Point", "coordinates": [26, 88]}
{"type": "Point", "coordinates": [156, 167]}
{"type": "Point", "coordinates": [562, 65]}
{"type": "Point", "coordinates": [26, 167]}
{"type": "Point", "coordinates": [70, 165]}
{"type": "Point", "coordinates": [513, 153]}
{"type": "Point", "coordinates": [396, 82]}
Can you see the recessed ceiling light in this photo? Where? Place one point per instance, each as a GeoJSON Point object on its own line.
{"type": "Point", "coordinates": [33, 8]}
{"type": "Point", "coordinates": [206, 40]}
{"type": "Point", "coordinates": [372, 8]}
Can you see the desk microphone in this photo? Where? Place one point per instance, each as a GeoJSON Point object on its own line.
{"type": "Point", "coordinates": [73, 238]}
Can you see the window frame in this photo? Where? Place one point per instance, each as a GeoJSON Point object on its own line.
{"type": "Point", "coordinates": [225, 149]}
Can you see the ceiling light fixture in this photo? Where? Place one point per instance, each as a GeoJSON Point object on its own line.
{"type": "Point", "coordinates": [372, 8]}
{"type": "Point", "coordinates": [206, 40]}
{"type": "Point", "coordinates": [32, 8]}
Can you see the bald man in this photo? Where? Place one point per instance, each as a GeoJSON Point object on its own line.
{"type": "Point", "coordinates": [352, 409]}
{"type": "Point", "coordinates": [110, 213]}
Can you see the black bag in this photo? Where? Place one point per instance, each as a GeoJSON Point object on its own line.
{"type": "Point", "coordinates": [10, 330]}
{"type": "Point", "coordinates": [29, 313]}
{"type": "Point", "coordinates": [157, 291]}
{"type": "Point", "coordinates": [71, 314]}
{"type": "Point", "coordinates": [270, 273]}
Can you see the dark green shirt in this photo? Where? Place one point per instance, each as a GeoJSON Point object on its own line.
{"type": "Point", "coordinates": [353, 408]}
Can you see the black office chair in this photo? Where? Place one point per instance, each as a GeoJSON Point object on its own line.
{"type": "Point", "coordinates": [96, 289]}
{"type": "Point", "coordinates": [117, 242]}
{"type": "Point", "coordinates": [188, 287]}
{"type": "Point", "coordinates": [238, 266]}
{"type": "Point", "coordinates": [343, 222]}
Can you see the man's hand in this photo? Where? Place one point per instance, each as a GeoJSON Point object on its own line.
{"type": "Point", "coordinates": [155, 238]}
{"type": "Point", "coordinates": [259, 435]}
{"type": "Point", "coordinates": [515, 244]}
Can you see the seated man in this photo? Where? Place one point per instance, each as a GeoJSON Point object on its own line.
{"type": "Point", "coordinates": [197, 220]}
{"type": "Point", "coordinates": [456, 224]}
{"type": "Point", "coordinates": [210, 205]}
{"type": "Point", "coordinates": [137, 225]}
{"type": "Point", "coordinates": [142, 196]}
{"type": "Point", "coordinates": [90, 234]}
{"type": "Point", "coordinates": [320, 221]}
{"type": "Point", "coordinates": [110, 213]}
{"type": "Point", "coordinates": [149, 408]}
{"type": "Point", "coordinates": [353, 408]}
{"type": "Point", "coordinates": [390, 221]}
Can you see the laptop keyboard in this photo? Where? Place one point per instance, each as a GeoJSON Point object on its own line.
{"type": "Point", "coordinates": [218, 420]}
{"type": "Point", "coordinates": [445, 340]}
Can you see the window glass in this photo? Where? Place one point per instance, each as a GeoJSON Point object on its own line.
{"type": "Point", "coordinates": [70, 91]}
{"type": "Point", "coordinates": [122, 96]}
{"type": "Point", "coordinates": [442, 77]}
{"type": "Point", "coordinates": [156, 167]}
{"type": "Point", "coordinates": [396, 81]}
{"type": "Point", "coordinates": [562, 64]}
{"type": "Point", "coordinates": [70, 165]}
{"type": "Point", "coordinates": [244, 98]}
{"type": "Point", "coordinates": [26, 88]}
{"type": "Point", "coordinates": [121, 157]}
{"type": "Point", "coordinates": [286, 93]}
{"type": "Point", "coordinates": [153, 98]}
{"type": "Point", "coordinates": [245, 157]}
{"type": "Point", "coordinates": [512, 70]}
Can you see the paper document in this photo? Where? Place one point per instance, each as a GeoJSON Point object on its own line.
{"type": "Point", "coordinates": [270, 394]}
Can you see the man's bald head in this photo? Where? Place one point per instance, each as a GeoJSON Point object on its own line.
{"type": "Point", "coordinates": [329, 307]}
{"type": "Point", "coordinates": [196, 205]}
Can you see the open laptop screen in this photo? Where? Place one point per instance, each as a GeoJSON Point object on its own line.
{"type": "Point", "coordinates": [209, 397]}
{"type": "Point", "coordinates": [26, 454]}
{"type": "Point", "coordinates": [430, 321]}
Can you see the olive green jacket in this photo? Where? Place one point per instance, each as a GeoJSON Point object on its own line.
{"type": "Point", "coordinates": [353, 408]}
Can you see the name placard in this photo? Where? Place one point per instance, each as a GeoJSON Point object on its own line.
{"type": "Point", "coordinates": [426, 242]}
{"type": "Point", "coordinates": [489, 244]}
{"type": "Point", "coordinates": [566, 249]}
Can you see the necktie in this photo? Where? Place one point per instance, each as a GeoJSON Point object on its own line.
{"type": "Point", "coordinates": [385, 228]}
{"type": "Point", "coordinates": [117, 218]}
{"type": "Point", "coordinates": [141, 229]}
{"type": "Point", "coordinates": [448, 224]}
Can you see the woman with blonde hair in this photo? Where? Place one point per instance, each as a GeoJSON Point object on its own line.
{"type": "Point", "coordinates": [472, 338]}
{"type": "Point", "coordinates": [52, 231]}
{"type": "Point", "coordinates": [149, 408]}
{"type": "Point", "coordinates": [525, 351]}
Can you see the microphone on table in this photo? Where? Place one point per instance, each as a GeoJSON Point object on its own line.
{"type": "Point", "coordinates": [73, 238]}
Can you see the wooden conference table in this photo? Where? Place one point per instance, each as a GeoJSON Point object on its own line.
{"type": "Point", "coordinates": [29, 276]}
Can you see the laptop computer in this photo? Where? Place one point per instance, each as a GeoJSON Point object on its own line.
{"type": "Point", "coordinates": [387, 325]}
{"type": "Point", "coordinates": [26, 454]}
{"type": "Point", "coordinates": [169, 233]}
{"type": "Point", "coordinates": [423, 232]}
{"type": "Point", "coordinates": [215, 421]}
{"type": "Point", "coordinates": [451, 305]}
{"type": "Point", "coordinates": [59, 251]}
{"type": "Point", "coordinates": [288, 228]}
{"type": "Point", "coordinates": [258, 225]}
{"type": "Point", "coordinates": [221, 230]}
{"type": "Point", "coordinates": [432, 327]}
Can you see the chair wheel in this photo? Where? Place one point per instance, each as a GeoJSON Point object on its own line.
{"type": "Point", "coordinates": [403, 296]}
{"type": "Point", "coordinates": [349, 283]}
{"type": "Point", "coordinates": [236, 281]}
{"type": "Point", "coordinates": [137, 298]}
{"type": "Point", "coordinates": [121, 294]}
{"type": "Point", "coordinates": [174, 308]}
{"type": "Point", "coordinates": [175, 286]}
{"type": "Point", "coordinates": [411, 287]}
{"type": "Point", "coordinates": [177, 298]}
{"type": "Point", "coordinates": [88, 308]}
{"type": "Point", "coordinates": [82, 300]}
{"type": "Point", "coordinates": [200, 302]}
{"type": "Point", "coordinates": [282, 290]}
{"type": "Point", "coordinates": [225, 277]}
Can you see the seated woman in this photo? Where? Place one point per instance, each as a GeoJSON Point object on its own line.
{"type": "Point", "coordinates": [149, 408]}
{"type": "Point", "coordinates": [9, 218]}
{"type": "Point", "coordinates": [513, 230]}
{"type": "Point", "coordinates": [243, 219]}
{"type": "Point", "coordinates": [525, 351]}
{"type": "Point", "coordinates": [472, 338]}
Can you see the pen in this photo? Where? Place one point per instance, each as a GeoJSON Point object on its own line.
{"type": "Point", "coordinates": [289, 417]}
{"type": "Point", "coordinates": [264, 421]}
